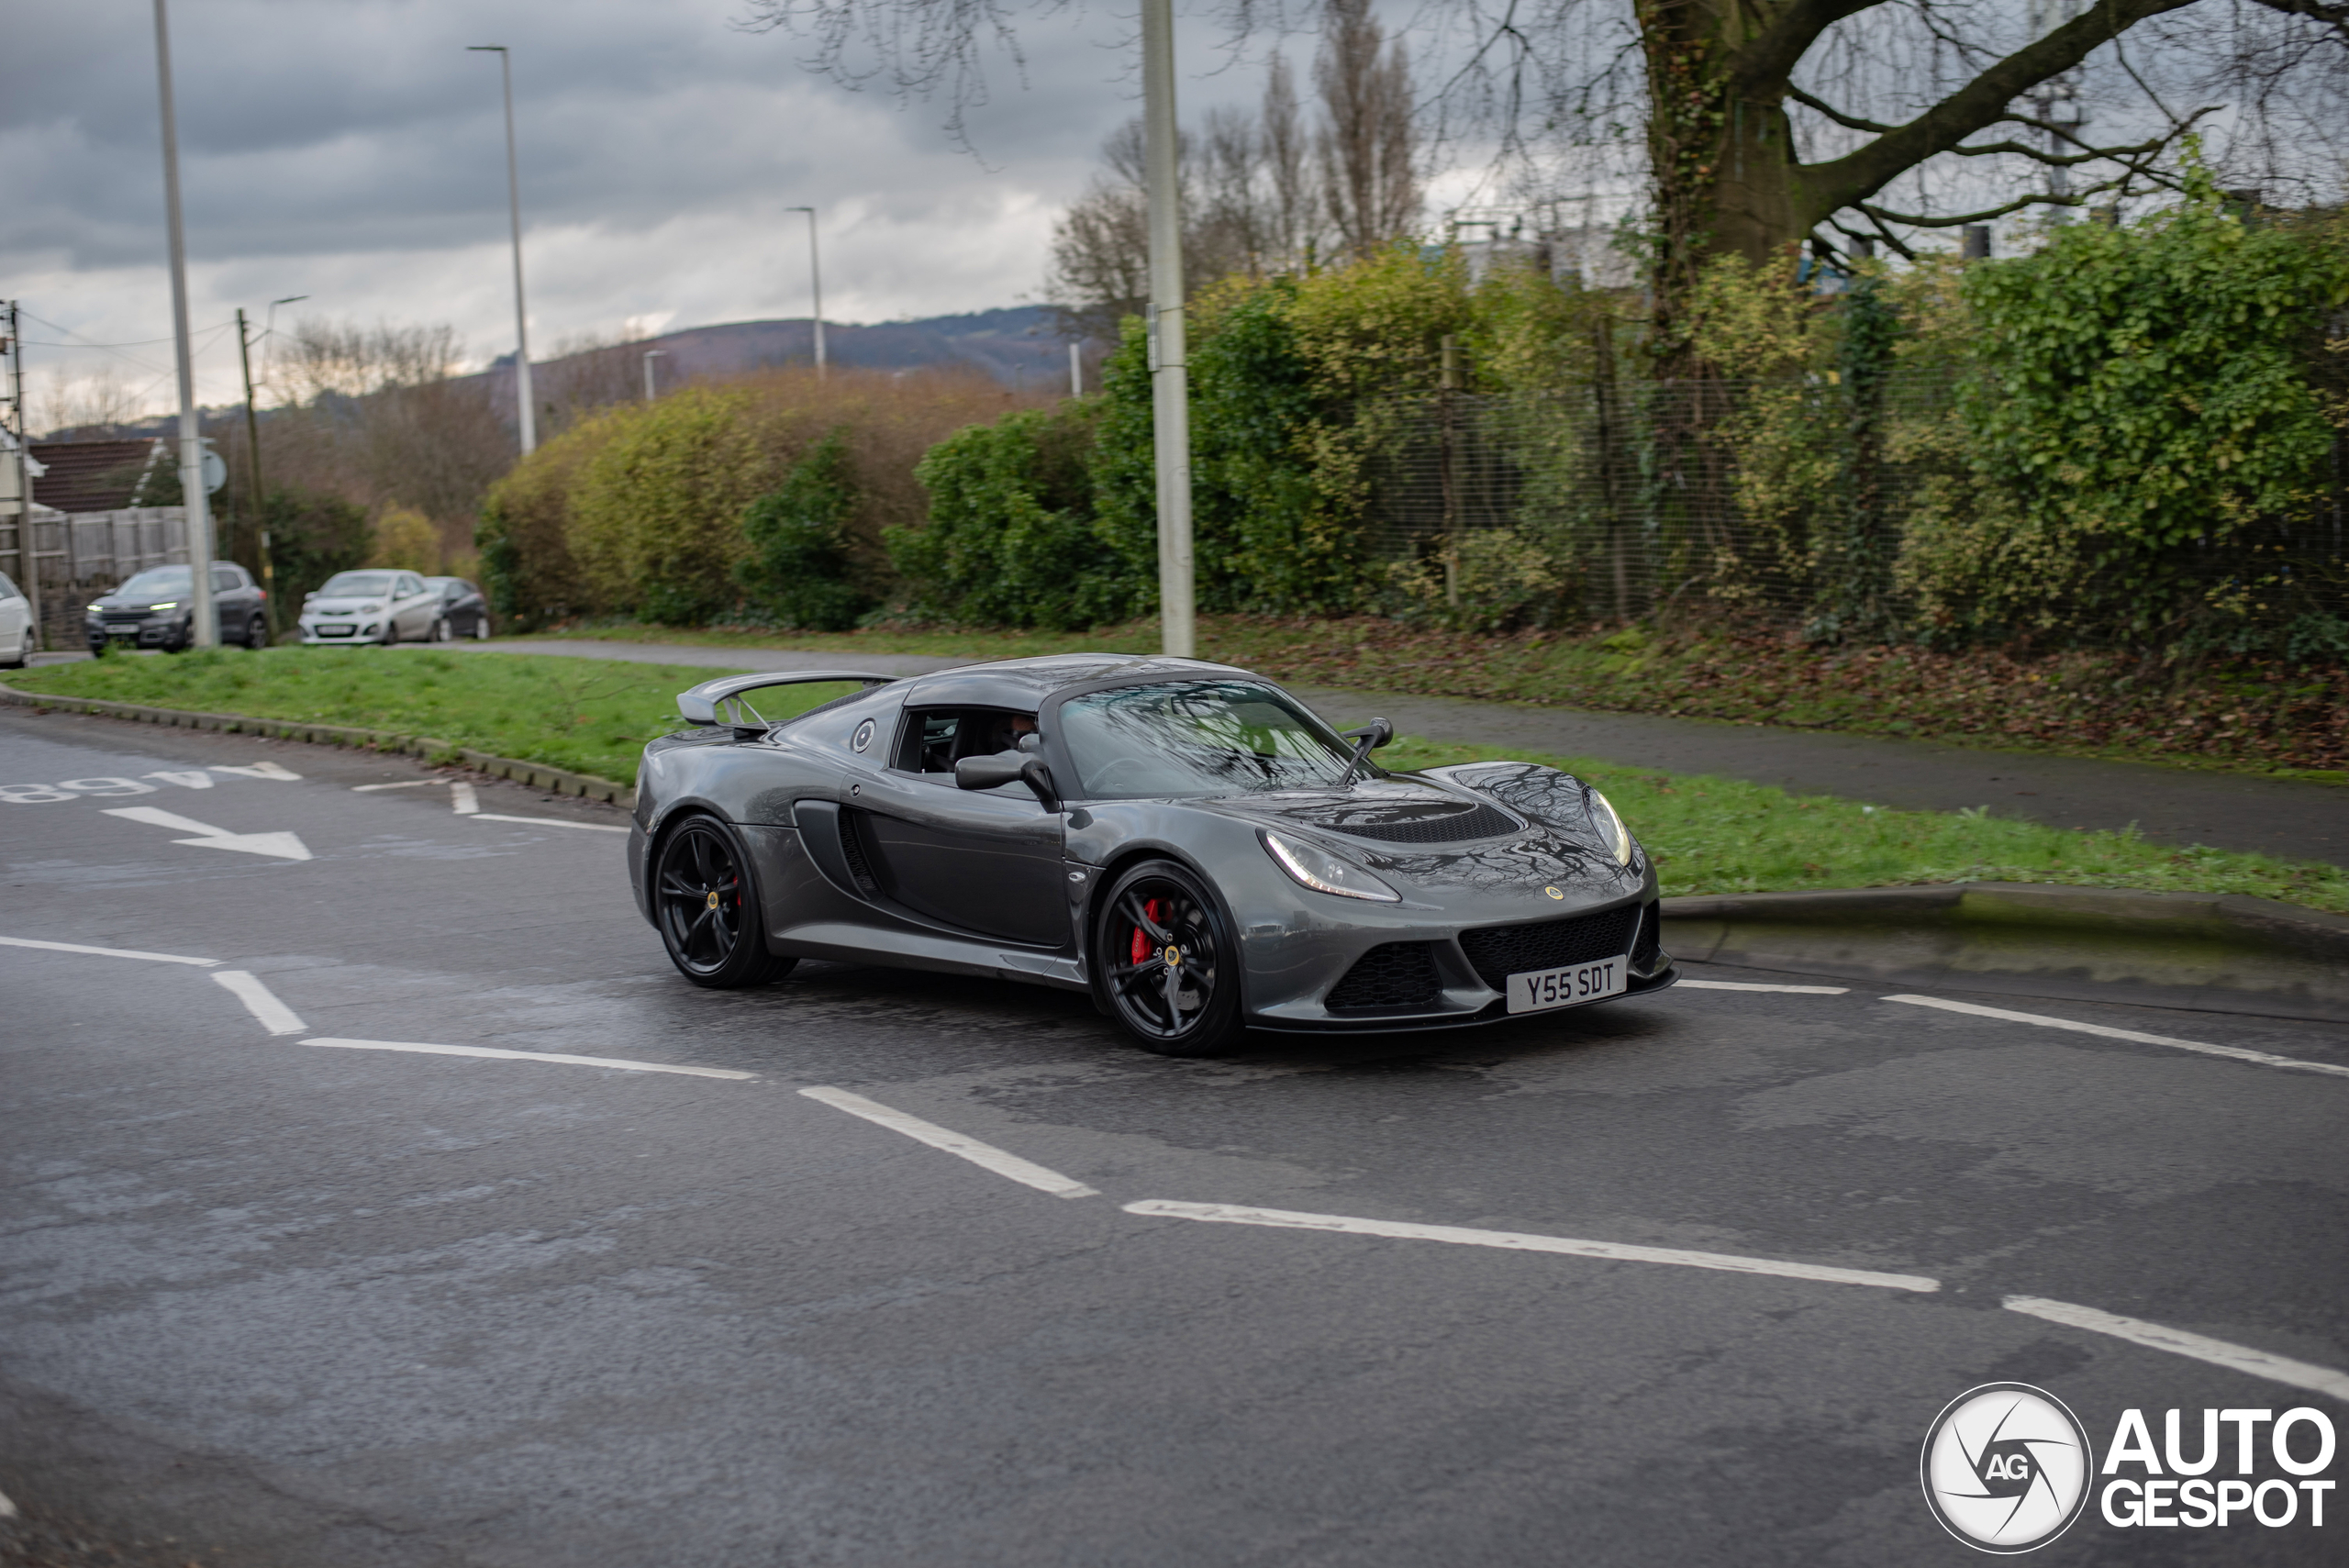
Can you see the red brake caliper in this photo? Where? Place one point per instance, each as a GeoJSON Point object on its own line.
{"type": "Point", "coordinates": [1141, 942]}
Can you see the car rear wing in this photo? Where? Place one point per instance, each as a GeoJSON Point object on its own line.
{"type": "Point", "coordinates": [699, 704]}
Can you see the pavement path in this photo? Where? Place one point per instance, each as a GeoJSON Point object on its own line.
{"type": "Point", "coordinates": [291, 1279]}
{"type": "Point", "coordinates": [2287, 817]}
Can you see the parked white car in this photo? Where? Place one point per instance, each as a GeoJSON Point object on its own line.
{"type": "Point", "coordinates": [375, 606]}
{"type": "Point", "coordinates": [18, 636]}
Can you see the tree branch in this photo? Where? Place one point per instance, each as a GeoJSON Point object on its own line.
{"type": "Point", "coordinates": [1848, 122]}
{"type": "Point", "coordinates": [1850, 180]}
{"type": "Point", "coordinates": [1764, 64]}
{"type": "Point", "coordinates": [2333, 16]}
{"type": "Point", "coordinates": [2086, 154]}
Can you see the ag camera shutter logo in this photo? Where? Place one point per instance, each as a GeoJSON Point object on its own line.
{"type": "Point", "coordinates": [2006, 1467]}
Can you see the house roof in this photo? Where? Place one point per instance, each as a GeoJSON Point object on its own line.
{"type": "Point", "coordinates": [90, 476]}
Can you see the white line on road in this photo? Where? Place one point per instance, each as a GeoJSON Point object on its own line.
{"type": "Point", "coordinates": [461, 797]}
{"type": "Point", "coordinates": [984, 1155]}
{"type": "Point", "coordinates": [1511, 1241]}
{"type": "Point", "coordinates": [258, 771]}
{"type": "Point", "coordinates": [556, 1057]}
{"type": "Point", "coordinates": [404, 783]}
{"type": "Point", "coordinates": [279, 846]}
{"type": "Point", "coordinates": [185, 779]}
{"type": "Point", "coordinates": [2177, 1341]}
{"type": "Point", "coordinates": [552, 822]}
{"type": "Point", "coordinates": [107, 952]}
{"type": "Point", "coordinates": [2233, 1052]}
{"type": "Point", "coordinates": [1749, 986]}
{"type": "Point", "coordinates": [261, 1002]}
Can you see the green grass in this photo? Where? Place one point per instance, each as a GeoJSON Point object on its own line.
{"type": "Point", "coordinates": [1708, 834]}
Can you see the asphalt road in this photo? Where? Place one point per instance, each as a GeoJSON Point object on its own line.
{"type": "Point", "coordinates": [306, 1304]}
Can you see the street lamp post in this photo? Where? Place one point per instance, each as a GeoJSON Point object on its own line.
{"type": "Point", "coordinates": [1170, 390]}
{"type": "Point", "coordinates": [815, 283]}
{"type": "Point", "coordinates": [205, 628]}
{"type": "Point", "coordinates": [514, 203]}
{"type": "Point", "coordinates": [651, 355]}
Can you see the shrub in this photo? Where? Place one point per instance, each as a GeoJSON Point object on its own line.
{"type": "Point", "coordinates": [407, 539]}
{"type": "Point", "coordinates": [526, 566]}
{"type": "Point", "coordinates": [311, 538]}
{"type": "Point", "coordinates": [798, 568]}
{"type": "Point", "coordinates": [656, 512]}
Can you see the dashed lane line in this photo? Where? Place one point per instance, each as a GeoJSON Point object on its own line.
{"type": "Point", "coordinates": [556, 1058]}
{"type": "Point", "coordinates": [2177, 1341]}
{"type": "Point", "coordinates": [261, 1002]}
{"type": "Point", "coordinates": [984, 1155]}
{"type": "Point", "coordinates": [2232, 1052]}
{"type": "Point", "coordinates": [107, 952]}
{"type": "Point", "coordinates": [404, 783]}
{"type": "Point", "coordinates": [1518, 1241]}
{"type": "Point", "coordinates": [551, 822]}
{"type": "Point", "coordinates": [1755, 985]}
{"type": "Point", "coordinates": [463, 800]}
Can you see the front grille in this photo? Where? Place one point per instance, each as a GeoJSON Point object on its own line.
{"type": "Point", "coordinates": [1499, 952]}
{"type": "Point", "coordinates": [1394, 974]}
{"type": "Point", "coordinates": [1480, 821]}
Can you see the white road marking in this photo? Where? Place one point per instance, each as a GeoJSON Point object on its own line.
{"type": "Point", "coordinates": [404, 783]}
{"type": "Point", "coordinates": [461, 797]}
{"type": "Point", "coordinates": [986, 1156]}
{"type": "Point", "coordinates": [552, 822]}
{"type": "Point", "coordinates": [108, 784]}
{"type": "Point", "coordinates": [7, 1508]}
{"type": "Point", "coordinates": [282, 846]}
{"type": "Point", "coordinates": [256, 769]}
{"type": "Point", "coordinates": [2233, 1052]}
{"type": "Point", "coordinates": [107, 952]}
{"type": "Point", "coordinates": [1749, 985]}
{"type": "Point", "coordinates": [1511, 1241]}
{"type": "Point", "coordinates": [556, 1057]}
{"type": "Point", "coordinates": [2177, 1341]}
{"type": "Point", "coordinates": [261, 1002]}
{"type": "Point", "coordinates": [194, 778]}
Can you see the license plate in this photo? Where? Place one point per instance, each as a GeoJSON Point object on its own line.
{"type": "Point", "coordinates": [336, 630]}
{"type": "Point", "coordinates": [1538, 990]}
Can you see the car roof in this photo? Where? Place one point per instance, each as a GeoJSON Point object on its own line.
{"type": "Point", "coordinates": [1024, 685]}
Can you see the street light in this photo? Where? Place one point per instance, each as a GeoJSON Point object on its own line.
{"type": "Point", "coordinates": [268, 331]}
{"type": "Point", "coordinates": [204, 627]}
{"type": "Point", "coordinates": [1170, 384]}
{"type": "Point", "coordinates": [651, 355]}
{"type": "Point", "coordinates": [814, 282]}
{"type": "Point", "coordinates": [514, 201]}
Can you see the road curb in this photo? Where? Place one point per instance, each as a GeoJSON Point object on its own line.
{"type": "Point", "coordinates": [538, 775]}
{"type": "Point", "coordinates": [2202, 951]}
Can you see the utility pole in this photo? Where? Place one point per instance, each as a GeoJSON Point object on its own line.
{"type": "Point", "coordinates": [28, 563]}
{"type": "Point", "coordinates": [814, 282]}
{"type": "Point", "coordinates": [206, 629]}
{"type": "Point", "coordinates": [253, 451]}
{"type": "Point", "coordinates": [651, 355]}
{"type": "Point", "coordinates": [514, 202]}
{"type": "Point", "coordinates": [1170, 388]}
{"type": "Point", "coordinates": [1077, 370]}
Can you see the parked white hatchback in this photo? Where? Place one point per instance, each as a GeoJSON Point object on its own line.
{"type": "Point", "coordinates": [17, 636]}
{"type": "Point", "coordinates": [371, 607]}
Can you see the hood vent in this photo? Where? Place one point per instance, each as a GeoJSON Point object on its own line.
{"type": "Point", "coordinates": [1448, 822]}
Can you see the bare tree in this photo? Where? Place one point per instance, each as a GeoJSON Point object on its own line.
{"type": "Point", "coordinates": [1294, 209]}
{"type": "Point", "coordinates": [1101, 267]}
{"type": "Point", "coordinates": [1368, 153]}
{"type": "Point", "coordinates": [87, 405]}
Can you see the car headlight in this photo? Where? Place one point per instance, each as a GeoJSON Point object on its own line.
{"type": "Point", "coordinates": [166, 604]}
{"type": "Point", "coordinates": [1611, 829]}
{"type": "Point", "coordinates": [1318, 869]}
{"type": "Point", "coordinates": [371, 609]}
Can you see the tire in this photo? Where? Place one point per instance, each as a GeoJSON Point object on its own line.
{"type": "Point", "coordinates": [707, 908]}
{"type": "Point", "coordinates": [481, 626]}
{"type": "Point", "coordinates": [1187, 1007]}
{"type": "Point", "coordinates": [391, 635]}
{"type": "Point", "coordinates": [441, 632]}
{"type": "Point", "coordinates": [257, 633]}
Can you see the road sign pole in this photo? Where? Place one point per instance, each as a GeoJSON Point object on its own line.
{"type": "Point", "coordinates": [206, 629]}
{"type": "Point", "coordinates": [1170, 391]}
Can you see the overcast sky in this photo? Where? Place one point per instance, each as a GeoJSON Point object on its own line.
{"type": "Point", "coordinates": [352, 151]}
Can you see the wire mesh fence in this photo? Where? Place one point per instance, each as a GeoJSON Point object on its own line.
{"type": "Point", "coordinates": [1815, 504]}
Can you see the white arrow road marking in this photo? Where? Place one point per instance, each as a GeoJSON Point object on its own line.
{"type": "Point", "coordinates": [261, 1002]}
{"type": "Point", "coordinates": [560, 1060]}
{"type": "Point", "coordinates": [2233, 1052]}
{"type": "Point", "coordinates": [256, 769]}
{"type": "Point", "coordinates": [462, 798]}
{"type": "Point", "coordinates": [984, 1155]}
{"type": "Point", "coordinates": [1233, 1214]}
{"type": "Point", "coordinates": [184, 780]}
{"type": "Point", "coordinates": [283, 846]}
{"type": "Point", "coordinates": [107, 952]}
{"type": "Point", "coordinates": [2177, 1341]}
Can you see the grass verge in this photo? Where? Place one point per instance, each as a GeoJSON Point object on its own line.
{"type": "Point", "coordinates": [2243, 715]}
{"type": "Point", "coordinates": [1708, 834]}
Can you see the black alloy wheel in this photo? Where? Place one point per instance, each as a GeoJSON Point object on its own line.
{"type": "Point", "coordinates": [709, 908]}
{"type": "Point", "coordinates": [1166, 961]}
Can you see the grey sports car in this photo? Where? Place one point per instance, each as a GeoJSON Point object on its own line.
{"type": "Point", "coordinates": [1185, 841]}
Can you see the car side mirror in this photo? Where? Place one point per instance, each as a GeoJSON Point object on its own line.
{"type": "Point", "coordinates": [1008, 767]}
{"type": "Point", "coordinates": [1379, 733]}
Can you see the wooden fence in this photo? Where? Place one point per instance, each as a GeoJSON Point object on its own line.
{"type": "Point", "coordinates": [75, 556]}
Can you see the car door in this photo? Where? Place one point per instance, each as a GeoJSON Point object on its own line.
{"type": "Point", "coordinates": [232, 602]}
{"type": "Point", "coordinates": [16, 614]}
{"type": "Point", "coordinates": [414, 605]}
{"type": "Point", "coordinates": [988, 861]}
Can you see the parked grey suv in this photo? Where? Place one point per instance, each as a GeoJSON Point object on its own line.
{"type": "Point", "coordinates": [157, 609]}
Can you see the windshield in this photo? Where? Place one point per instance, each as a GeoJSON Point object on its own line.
{"type": "Point", "coordinates": [1197, 737]}
{"type": "Point", "coordinates": [356, 586]}
{"type": "Point", "coordinates": [156, 582]}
